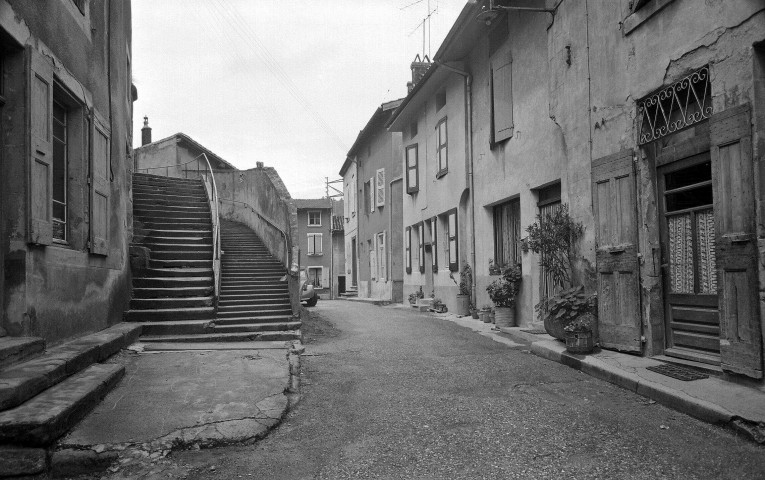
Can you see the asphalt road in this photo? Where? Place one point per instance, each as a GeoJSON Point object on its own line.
{"type": "Point", "coordinates": [395, 394]}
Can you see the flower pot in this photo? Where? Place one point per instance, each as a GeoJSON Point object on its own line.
{"type": "Point", "coordinates": [505, 316]}
{"type": "Point", "coordinates": [554, 327]}
{"type": "Point", "coordinates": [463, 305]}
{"type": "Point", "coordinates": [485, 316]}
{"type": "Point", "coordinates": [492, 317]}
{"type": "Point", "coordinates": [474, 314]}
{"type": "Point", "coordinates": [580, 342]}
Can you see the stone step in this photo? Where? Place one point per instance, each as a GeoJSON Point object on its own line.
{"type": "Point", "coordinates": [255, 313]}
{"type": "Point", "coordinates": [180, 255]}
{"type": "Point", "coordinates": [173, 232]}
{"type": "Point", "coordinates": [163, 214]}
{"type": "Point", "coordinates": [171, 200]}
{"type": "Point", "coordinates": [176, 272]}
{"type": "Point", "coordinates": [198, 239]}
{"type": "Point", "coordinates": [149, 177]}
{"type": "Point", "coordinates": [150, 195]}
{"type": "Point", "coordinates": [152, 207]}
{"type": "Point", "coordinates": [46, 417]}
{"type": "Point", "coordinates": [23, 381]}
{"type": "Point", "coordinates": [195, 327]}
{"type": "Point", "coordinates": [169, 246]}
{"type": "Point", "coordinates": [17, 349]}
{"type": "Point", "coordinates": [191, 224]}
{"type": "Point", "coordinates": [180, 190]}
{"type": "Point", "coordinates": [225, 337]}
{"type": "Point", "coordinates": [189, 263]}
{"type": "Point", "coordinates": [176, 302]}
{"type": "Point", "coordinates": [253, 307]}
{"type": "Point", "coordinates": [231, 301]}
{"type": "Point", "coordinates": [172, 282]}
{"type": "Point", "coordinates": [169, 314]}
{"type": "Point", "coordinates": [159, 292]}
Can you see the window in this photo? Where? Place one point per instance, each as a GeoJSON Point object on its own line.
{"type": "Point", "coordinates": [442, 149]}
{"type": "Point", "coordinates": [314, 244]}
{"type": "Point", "coordinates": [315, 276]}
{"type": "Point", "coordinates": [408, 249]}
{"type": "Point", "coordinates": [549, 202]}
{"type": "Point", "coordinates": [434, 242]}
{"type": "Point", "coordinates": [380, 187]}
{"type": "Point", "coordinates": [507, 233]}
{"type": "Point", "coordinates": [60, 171]}
{"type": "Point", "coordinates": [314, 218]}
{"type": "Point", "coordinates": [412, 172]}
{"type": "Point", "coordinates": [421, 247]}
{"type": "Point", "coordinates": [369, 204]}
{"type": "Point", "coordinates": [452, 240]}
{"type": "Point", "coordinates": [440, 100]}
{"type": "Point", "coordinates": [382, 258]}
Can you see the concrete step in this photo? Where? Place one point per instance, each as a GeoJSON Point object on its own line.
{"type": "Point", "coordinates": [159, 292]}
{"type": "Point", "coordinates": [225, 337]}
{"type": "Point", "coordinates": [151, 195]}
{"type": "Point", "coordinates": [180, 254]}
{"type": "Point", "coordinates": [163, 214]}
{"type": "Point", "coordinates": [173, 232]}
{"type": "Point", "coordinates": [17, 349]}
{"type": "Point", "coordinates": [185, 263]}
{"type": "Point", "coordinates": [169, 314]}
{"type": "Point", "coordinates": [172, 282]}
{"type": "Point", "coordinates": [198, 239]}
{"type": "Point", "coordinates": [24, 380]}
{"type": "Point", "coordinates": [255, 313]}
{"type": "Point", "coordinates": [151, 207]}
{"type": "Point", "coordinates": [156, 177]}
{"type": "Point", "coordinates": [195, 327]}
{"type": "Point", "coordinates": [188, 191]}
{"type": "Point", "coordinates": [170, 246]}
{"type": "Point", "coordinates": [250, 307]}
{"type": "Point", "coordinates": [176, 272]}
{"type": "Point", "coordinates": [165, 303]}
{"type": "Point", "coordinates": [171, 200]}
{"type": "Point", "coordinates": [233, 300]}
{"type": "Point", "coordinates": [49, 415]}
{"type": "Point", "coordinates": [151, 222]}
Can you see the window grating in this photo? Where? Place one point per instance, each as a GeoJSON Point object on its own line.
{"type": "Point", "coordinates": [676, 107]}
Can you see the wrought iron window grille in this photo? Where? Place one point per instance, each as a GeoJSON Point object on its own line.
{"type": "Point", "coordinates": [676, 107]}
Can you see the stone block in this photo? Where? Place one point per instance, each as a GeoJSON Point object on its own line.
{"type": "Point", "coordinates": [22, 461]}
{"type": "Point", "coordinates": [68, 463]}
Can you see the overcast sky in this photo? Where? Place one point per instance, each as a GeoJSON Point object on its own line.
{"type": "Point", "coordinates": [288, 83]}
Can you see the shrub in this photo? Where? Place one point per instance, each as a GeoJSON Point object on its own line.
{"type": "Point", "coordinates": [503, 290]}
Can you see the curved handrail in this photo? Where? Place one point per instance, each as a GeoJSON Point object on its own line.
{"type": "Point", "coordinates": [270, 224]}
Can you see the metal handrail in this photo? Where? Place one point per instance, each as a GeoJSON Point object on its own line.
{"type": "Point", "coordinates": [214, 200]}
{"type": "Point", "coordinates": [271, 224]}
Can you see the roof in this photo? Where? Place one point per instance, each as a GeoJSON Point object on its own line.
{"type": "Point", "coordinates": [315, 203]}
{"type": "Point", "coordinates": [194, 145]}
{"type": "Point", "coordinates": [455, 47]}
{"type": "Point", "coordinates": [376, 123]}
{"type": "Point", "coordinates": [337, 223]}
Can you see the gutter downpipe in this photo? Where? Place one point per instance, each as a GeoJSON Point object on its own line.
{"type": "Point", "coordinates": [469, 150]}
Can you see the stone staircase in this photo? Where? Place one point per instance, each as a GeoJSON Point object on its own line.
{"type": "Point", "coordinates": [254, 299]}
{"type": "Point", "coordinates": [44, 392]}
{"type": "Point", "coordinates": [171, 218]}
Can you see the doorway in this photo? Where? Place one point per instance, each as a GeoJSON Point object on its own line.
{"type": "Point", "coordinates": [689, 269]}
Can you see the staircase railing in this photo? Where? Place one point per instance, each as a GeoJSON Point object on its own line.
{"type": "Point", "coordinates": [211, 189]}
{"type": "Point", "coordinates": [271, 224]}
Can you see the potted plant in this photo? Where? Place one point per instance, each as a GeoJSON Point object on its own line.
{"type": "Point", "coordinates": [438, 306]}
{"type": "Point", "coordinates": [465, 286]}
{"type": "Point", "coordinates": [494, 268]}
{"type": "Point", "coordinates": [578, 334]}
{"type": "Point", "coordinates": [554, 236]}
{"type": "Point", "coordinates": [473, 311]}
{"type": "Point", "coordinates": [484, 314]}
{"type": "Point", "coordinates": [502, 292]}
{"type": "Point", "coordinates": [414, 297]}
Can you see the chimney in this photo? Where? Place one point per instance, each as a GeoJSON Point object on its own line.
{"type": "Point", "coordinates": [419, 67]}
{"type": "Point", "coordinates": [145, 132]}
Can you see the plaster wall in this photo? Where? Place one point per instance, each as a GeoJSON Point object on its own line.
{"type": "Point", "coordinates": [62, 291]}
{"type": "Point", "coordinates": [325, 258]}
{"type": "Point", "coordinates": [159, 158]}
{"type": "Point", "coordinates": [351, 206]}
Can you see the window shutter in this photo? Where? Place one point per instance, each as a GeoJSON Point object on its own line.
{"type": "Point", "coordinates": [733, 174]}
{"type": "Point", "coordinates": [408, 249]}
{"type": "Point", "coordinates": [310, 244]}
{"type": "Point", "coordinates": [319, 247]}
{"type": "Point", "coordinates": [384, 257]}
{"type": "Point", "coordinates": [100, 188]}
{"type": "Point", "coordinates": [373, 258]}
{"type": "Point", "coordinates": [372, 194]}
{"type": "Point", "coordinates": [502, 98]}
{"type": "Point", "coordinates": [421, 247]}
{"type": "Point", "coordinates": [380, 187]}
{"type": "Point", "coordinates": [434, 242]}
{"type": "Point", "coordinates": [325, 283]}
{"type": "Point", "coordinates": [40, 180]}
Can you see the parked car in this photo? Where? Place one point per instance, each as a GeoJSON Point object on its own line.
{"type": "Point", "coordinates": [307, 292]}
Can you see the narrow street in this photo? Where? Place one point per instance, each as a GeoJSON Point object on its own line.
{"type": "Point", "coordinates": [392, 393]}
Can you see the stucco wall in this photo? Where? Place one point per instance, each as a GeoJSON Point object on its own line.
{"type": "Point", "coordinates": [325, 258]}
{"type": "Point", "coordinates": [63, 291]}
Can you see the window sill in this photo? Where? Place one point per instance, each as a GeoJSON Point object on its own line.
{"type": "Point", "coordinates": [314, 226]}
{"type": "Point", "coordinates": [315, 255]}
{"type": "Point", "coordinates": [442, 173]}
{"type": "Point", "coordinates": [412, 191]}
{"type": "Point", "coordinates": [637, 18]}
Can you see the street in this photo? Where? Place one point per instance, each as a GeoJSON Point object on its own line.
{"type": "Point", "coordinates": [392, 393]}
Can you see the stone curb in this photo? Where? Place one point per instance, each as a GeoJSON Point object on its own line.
{"type": "Point", "coordinates": [662, 394]}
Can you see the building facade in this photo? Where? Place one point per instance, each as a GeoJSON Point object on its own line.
{"type": "Point", "coordinates": [376, 158]}
{"type": "Point", "coordinates": [645, 118]}
{"type": "Point", "coordinates": [350, 227]}
{"type": "Point", "coordinates": [66, 166]}
{"type": "Point", "coordinates": [321, 247]}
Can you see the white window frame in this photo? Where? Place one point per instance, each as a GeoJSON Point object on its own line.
{"type": "Point", "coordinates": [310, 224]}
{"type": "Point", "coordinates": [320, 276]}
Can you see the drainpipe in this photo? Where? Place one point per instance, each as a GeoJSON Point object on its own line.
{"type": "Point", "coordinates": [469, 151]}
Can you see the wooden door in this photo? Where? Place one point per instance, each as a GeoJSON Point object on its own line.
{"type": "Point", "coordinates": [615, 208]}
{"type": "Point", "coordinates": [735, 224]}
{"type": "Point", "coordinates": [689, 259]}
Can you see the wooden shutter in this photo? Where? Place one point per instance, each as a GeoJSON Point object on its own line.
{"type": "Point", "coordinates": [408, 249]}
{"type": "Point", "coordinates": [40, 175]}
{"type": "Point", "coordinates": [383, 258]}
{"type": "Point", "coordinates": [434, 242]}
{"type": "Point", "coordinates": [100, 188]}
{"type": "Point", "coordinates": [502, 98]}
{"type": "Point", "coordinates": [380, 187]}
{"type": "Point", "coordinates": [373, 258]}
{"type": "Point", "coordinates": [453, 253]}
{"type": "Point", "coordinates": [372, 195]}
{"type": "Point", "coordinates": [615, 207]}
{"type": "Point", "coordinates": [735, 229]}
{"type": "Point", "coordinates": [421, 246]}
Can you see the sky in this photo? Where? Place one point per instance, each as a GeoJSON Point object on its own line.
{"type": "Point", "coordinates": [286, 83]}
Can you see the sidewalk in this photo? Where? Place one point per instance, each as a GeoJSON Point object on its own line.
{"type": "Point", "coordinates": [717, 400]}
{"type": "Point", "coordinates": [181, 396]}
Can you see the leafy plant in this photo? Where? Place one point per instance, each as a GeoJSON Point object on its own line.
{"type": "Point", "coordinates": [568, 305]}
{"type": "Point", "coordinates": [466, 280]}
{"type": "Point", "coordinates": [582, 324]}
{"type": "Point", "coordinates": [503, 290]}
{"type": "Point", "coordinates": [437, 303]}
{"type": "Point", "coordinates": [494, 268]}
{"type": "Point", "coordinates": [414, 296]}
